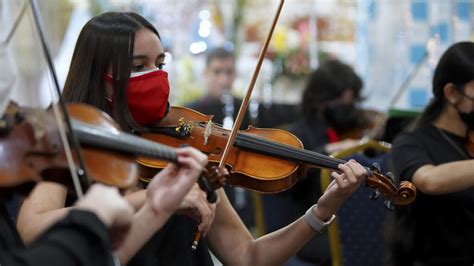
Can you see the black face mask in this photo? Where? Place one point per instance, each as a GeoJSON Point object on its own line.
{"type": "Point", "coordinates": [342, 117]}
{"type": "Point", "coordinates": [468, 118]}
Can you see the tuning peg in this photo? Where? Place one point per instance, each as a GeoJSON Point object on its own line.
{"type": "Point", "coordinates": [374, 195]}
{"type": "Point", "coordinates": [389, 205]}
{"type": "Point", "coordinates": [392, 177]}
{"type": "Point", "coordinates": [376, 167]}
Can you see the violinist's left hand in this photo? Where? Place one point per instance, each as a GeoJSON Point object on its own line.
{"type": "Point", "coordinates": [340, 189]}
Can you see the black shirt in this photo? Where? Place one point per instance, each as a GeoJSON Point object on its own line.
{"type": "Point", "coordinates": [296, 200]}
{"type": "Point", "coordinates": [211, 106]}
{"type": "Point", "coordinates": [171, 246]}
{"type": "Point", "coordinates": [78, 239]}
{"type": "Point", "coordinates": [442, 225]}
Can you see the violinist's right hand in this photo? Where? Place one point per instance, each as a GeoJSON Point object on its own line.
{"type": "Point", "coordinates": [175, 189]}
{"type": "Point", "coordinates": [111, 208]}
{"type": "Point", "coordinates": [196, 206]}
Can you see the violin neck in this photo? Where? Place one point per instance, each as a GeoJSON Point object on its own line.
{"type": "Point", "coordinates": [112, 139]}
{"type": "Point", "coordinates": [271, 148]}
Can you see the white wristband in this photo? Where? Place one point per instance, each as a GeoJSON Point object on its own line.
{"type": "Point", "coordinates": [318, 225]}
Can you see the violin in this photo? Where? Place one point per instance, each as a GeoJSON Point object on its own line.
{"type": "Point", "coordinates": [32, 149]}
{"type": "Point", "coordinates": [262, 160]}
{"type": "Point", "coordinates": [31, 143]}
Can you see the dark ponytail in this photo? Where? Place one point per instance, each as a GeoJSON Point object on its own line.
{"type": "Point", "coordinates": [431, 112]}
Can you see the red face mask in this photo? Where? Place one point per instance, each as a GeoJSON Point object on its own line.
{"type": "Point", "coordinates": [147, 95]}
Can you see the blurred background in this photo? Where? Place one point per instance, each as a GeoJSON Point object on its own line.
{"type": "Point", "coordinates": [392, 45]}
{"type": "Point", "coordinates": [383, 40]}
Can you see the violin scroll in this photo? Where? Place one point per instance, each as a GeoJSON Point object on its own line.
{"type": "Point", "coordinates": [385, 185]}
{"type": "Point", "coordinates": [406, 192]}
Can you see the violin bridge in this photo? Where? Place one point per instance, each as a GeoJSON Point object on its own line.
{"type": "Point", "coordinates": [207, 131]}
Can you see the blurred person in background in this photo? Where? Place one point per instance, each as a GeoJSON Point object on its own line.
{"type": "Point", "coordinates": [437, 229]}
{"type": "Point", "coordinates": [329, 109]}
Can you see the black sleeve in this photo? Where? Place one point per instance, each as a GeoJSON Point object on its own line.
{"type": "Point", "coordinates": [408, 155]}
{"type": "Point", "coordinates": [79, 239]}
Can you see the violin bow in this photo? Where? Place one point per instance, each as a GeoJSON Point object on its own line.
{"type": "Point", "coordinates": [243, 107]}
{"type": "Point", "coordinates": [79, 177]}
{"type": "Point", "coordinates": [245, 102]}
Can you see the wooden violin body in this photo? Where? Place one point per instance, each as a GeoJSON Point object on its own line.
{"type": "Point", "coordinates": [263, 160]}
{"type": "Point", "coordinates": [251, 170]}
{"type": "Point", "coordinates": [32, 150]}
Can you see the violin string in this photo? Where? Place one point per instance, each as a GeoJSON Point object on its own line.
{"type": "Point", "coordinates": [266, 146]}
{"type": "Point", "coordinates": [286, 150]}
{"type": "Point", "coordinates": [123, 142]}
{"type": "Point", "coordinates": [74, 141]}
{"type": "Point", "coordinates": [289, 151]}
{"type": "Point", "coordinates": [263, 145]}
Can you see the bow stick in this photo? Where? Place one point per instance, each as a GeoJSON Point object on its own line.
{"type": "Point", "coordinates": [244, 105]}
{"type": "Point", "coordinates": [79, 177]}
{"type": "Point", "coordinates": [245, 102]}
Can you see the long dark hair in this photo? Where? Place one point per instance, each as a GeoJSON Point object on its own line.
{"type": "Point", "coordinates": [456, 66]}
{"type": "Point", "coordinates": [327, 83]}
{"type": "Point", "coordinates": [106, 41]}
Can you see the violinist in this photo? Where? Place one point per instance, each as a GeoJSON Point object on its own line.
{"type": "Point", "coordinates": [82, 237]}
{"type": "Point", "coordinates": [47, 202]}
{"type": "Point", "coordinates": [438, 228]}
{"type": "Point", "coordinates": [117, 67]}
{"type": "Point", "coordinates": [329, 108]}
{"type": "Point", "coordinates": [98, 224]}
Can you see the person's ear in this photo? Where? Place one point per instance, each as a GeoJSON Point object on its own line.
{"type": "Point", "coordinates": [451, 94]}
{"type": "Point", "coordinates": [347, 96]}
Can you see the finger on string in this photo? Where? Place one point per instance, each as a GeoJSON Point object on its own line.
{"type": "Point", "coordinates": [338, 178]}
{"type": "Point", "coordinates": [351, 171]}
{"type": "Point", "coordinates": [346, 171]}
{"type": "Point", "coordinates": [187, 151]}
{"type": "Point", "coordinates": [191, 164]}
